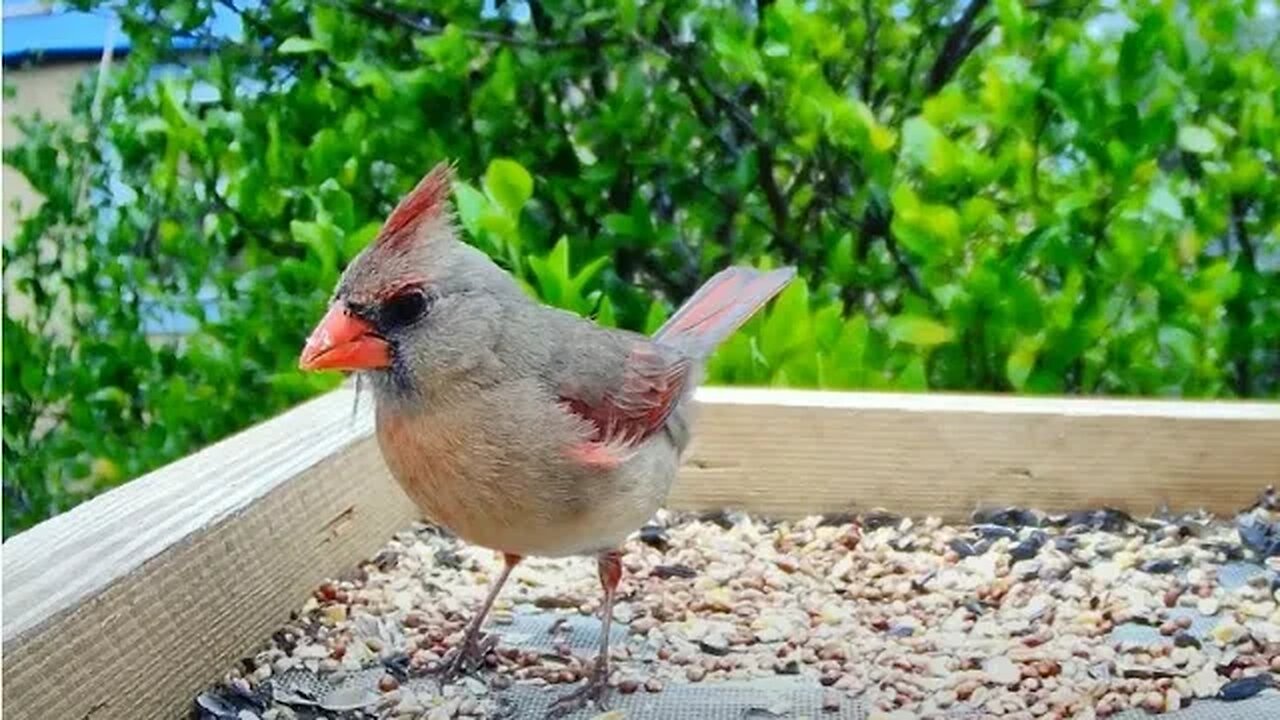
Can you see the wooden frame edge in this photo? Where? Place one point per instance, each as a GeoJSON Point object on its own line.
{"type": "Point", "coordinates": [125, 606]}
{"type": "Point", "coordinates": [46, 569]}
{"type": "Point", "coordinates": [794, 453]}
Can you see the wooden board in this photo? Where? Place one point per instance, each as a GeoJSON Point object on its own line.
{"type": "Point", "coordinates": [794, 453]}
{"type": "Point", "coordinates": [128, 605]}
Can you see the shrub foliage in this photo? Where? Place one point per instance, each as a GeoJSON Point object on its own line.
{"type": "Point", "coordinates": [1048, 197]}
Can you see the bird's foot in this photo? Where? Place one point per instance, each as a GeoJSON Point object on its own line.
{"type": "Point", "coordinates": [466, 659]}
{"type": "Point", "coordinates": [595, 690]}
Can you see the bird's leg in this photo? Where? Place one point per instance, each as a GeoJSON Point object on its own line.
{"type": "Point", "coordinates": [469, 656]}
{"type": "Point", "coordinates": [609, 565]}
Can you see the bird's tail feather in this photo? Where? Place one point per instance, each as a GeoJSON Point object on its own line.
{"type": "Point", "coordinates": [720, 307]}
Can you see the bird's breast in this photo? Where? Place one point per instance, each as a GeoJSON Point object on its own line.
{"type": "Point", "coordinates": [498, 473]}
{"type": "Point", "coordinates": [427, 460]}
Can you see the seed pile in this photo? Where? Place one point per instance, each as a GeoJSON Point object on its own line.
{"type": "Point", "coordinates": [1016, 615]}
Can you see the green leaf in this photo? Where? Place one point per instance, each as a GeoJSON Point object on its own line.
{"type": "Point", "coordinates": [471, 204]}
{"type": "Point", "coordinates": [509, 184]}
{"type": "Point", "coordinates": [840, 260]}
{"type": "Point", "coordinates": [1163, 201]}
{"type": "Point", "coordinates": [337, 204]}
{"type": "Point", "coordinates": [628, 15]}
{"type": "Point", "coordinates": [619, 224]}
{"type": "Point", "coordinates": [1196, 139]}
{"type": "Point", "coordinates": [1180, 342]}
{"type": "Point", "coordinates": [1010, 14]}
{"type": "Point", "coordinates": [655, 317]}
{"type": "Point", "coordinates": [449, 48]}
{"type": "Point", "coordinates": [500, 224]}
{"type": "Point", "coordinates": [300, 45]}
{"type": "Point", "coordinates": [579, 282]}
{"type": "Point", "coordinates": [1021, 362]}
{"type": "Point", "coordinates": [918, 138]}
{"type": "Point", "coordinates": [788, 323]}
{"type": "Point", "coordinates": [827, 323]}
{"type": "Point", "coordinates": [850, 351]}
{"type": "Point", "coordinates": [913, 377]}
{"type": "Point", "coordinates": [552, 273]}
{"type": "Point", "coordinates": [925, 146]}
{"type": "Point", "coordinates": [737, 55]}
{"type": "Point", "coordinates": [325, 23]}
{"type": "Point", "coordinates": [319, 238]}
{"type": "Point", "coordinates": [918, 330]}
{"type": "Point", "coordinates": [558, 258]}
{"type": "Point", "coordinates": [358, 239]}
{"type": "Point", "coordinates": [605, 314]}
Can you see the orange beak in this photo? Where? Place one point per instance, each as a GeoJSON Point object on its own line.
{"type": "Point", "coordinates": [343, 341]}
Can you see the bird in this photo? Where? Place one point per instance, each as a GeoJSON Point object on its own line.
{"type": "Point", "coordinates": [519, 427]}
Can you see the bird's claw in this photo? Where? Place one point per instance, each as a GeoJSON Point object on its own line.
{"type": "Point", "coordinates": [465, 660]}
{"type": "Point", "coordinates": [595, 690]}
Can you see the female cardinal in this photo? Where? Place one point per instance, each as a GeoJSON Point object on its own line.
{"type": "Point", "coordinates": [519, 427]}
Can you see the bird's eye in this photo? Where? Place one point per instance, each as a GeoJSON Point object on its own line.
{"type": "Point", "coordinates": [404, 309]}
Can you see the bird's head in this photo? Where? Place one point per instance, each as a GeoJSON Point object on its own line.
{"type": "Point", "coordinates": [415, 305]}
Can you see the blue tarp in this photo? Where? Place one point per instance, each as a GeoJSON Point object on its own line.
{"type": "Point", "coordinates": [62, 34]}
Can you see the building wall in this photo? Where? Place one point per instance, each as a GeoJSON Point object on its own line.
{"type": "Point", "coordinates": [43, 89]}
{"type": "Point", "coordinates": [47, 90]}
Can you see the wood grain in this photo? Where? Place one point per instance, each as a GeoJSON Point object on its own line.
{"type": "Point", "coordinates": [130, 604]}
{"type": "Point", "coordinates": [790, 453]}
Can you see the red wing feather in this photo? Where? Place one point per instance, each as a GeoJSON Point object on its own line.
{"type": "Point", "coordinates": [652, 385]}
{"type": "Point", "coordinates": [656, 375]}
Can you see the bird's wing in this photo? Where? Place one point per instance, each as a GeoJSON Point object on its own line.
{"type": "Point", "coordinates": [636, 404]}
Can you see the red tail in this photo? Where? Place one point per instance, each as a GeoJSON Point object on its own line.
{"type": "Point", "coordinates": [720, 307]}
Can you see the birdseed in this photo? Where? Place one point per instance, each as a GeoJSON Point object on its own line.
{"type": "Point", "coordinates": [1018, 615]}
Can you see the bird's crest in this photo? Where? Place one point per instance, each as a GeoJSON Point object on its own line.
{"type": "Point", "coordinates": [428, 201]}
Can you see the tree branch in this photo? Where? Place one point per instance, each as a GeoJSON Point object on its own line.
{"type": "Point", "coordinates": [762, 6]}
{"type": "Point", "coordinates": [878, 223]}
{"type": "Point", "coordinates": [740, 121]}
{"type": "Point", "coordinates": [868, 52]}
{"type": "Point", "coordinates": [959, 43]}
{"type": "Point", "coordinates": [678, 55]}
{"type": "Point", "coordinates": [730, 201]}
{"type": "Point", "coordinates": [724, 234]}
{"type": "Point", "coordinates": [772, 193]}
{"type": "Point", "coordinates": [407, 21]}
{"type": "Point", "coordinates": [541, 20]}
{"type": "Point", "coordinates": [1239, 305]}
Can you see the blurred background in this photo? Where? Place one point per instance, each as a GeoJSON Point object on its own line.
{"type": "Point", "coordinates": [1043, 196]}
